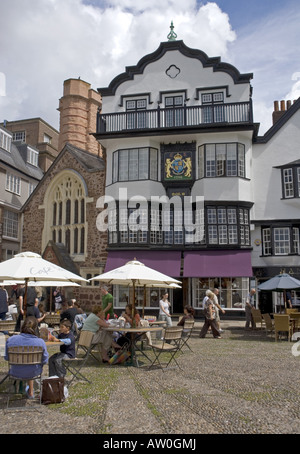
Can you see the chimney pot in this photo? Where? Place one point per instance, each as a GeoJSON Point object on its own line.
{"type": "Point", "coordinates": [288, 104]}
{"type": "Point", "coordinates": [282, 105]}
{"type": "Point", "coordinates": [276, 106]}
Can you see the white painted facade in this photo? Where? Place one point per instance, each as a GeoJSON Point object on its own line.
{"type": "Point", "coordinates": [259, 189]}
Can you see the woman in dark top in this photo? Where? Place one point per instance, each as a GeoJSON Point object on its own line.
{"type": "Point", "coordinates": [188, 314]}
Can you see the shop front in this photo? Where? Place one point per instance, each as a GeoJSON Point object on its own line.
{"type": "Point", "coordinates": [229, 271]}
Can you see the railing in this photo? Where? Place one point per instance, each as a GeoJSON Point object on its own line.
{"type": "Point", "coordinates": [179, 117]}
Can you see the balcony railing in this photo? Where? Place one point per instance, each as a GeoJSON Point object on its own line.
{"type": "Point", "coordinates": [179, 117]}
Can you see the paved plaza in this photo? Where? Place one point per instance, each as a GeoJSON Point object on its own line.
{"type": "Point", "coordinates": [244, 383]}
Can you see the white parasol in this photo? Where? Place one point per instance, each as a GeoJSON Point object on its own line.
{"type": "Point", "coordinates": [136, 274]}
{"type": "Point", "coordinates": [31, 267]}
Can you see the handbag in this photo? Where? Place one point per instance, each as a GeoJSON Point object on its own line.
{"type": "Point", "coordinates": [53, 390]}
{"type": "Point", "coordinates": [120, 357]}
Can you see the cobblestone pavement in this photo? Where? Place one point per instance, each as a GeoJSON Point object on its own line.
{"type": "Point", "coordinates": [244, 383]}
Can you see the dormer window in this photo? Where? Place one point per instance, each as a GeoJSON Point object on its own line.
{"type": "Point", "coordinates": [5, 140]}
{"type": "Point", "coordinates": [19, 136]}
{"type": "Point", "coordinates": [32, 156]}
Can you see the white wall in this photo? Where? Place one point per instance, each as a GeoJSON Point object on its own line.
{"type": "Point", "coordinates": [192, 75]}
{"type": "Point", "coordinates": [282, 149]}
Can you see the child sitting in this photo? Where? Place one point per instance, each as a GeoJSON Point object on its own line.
{"type": "Point", "coordinates": [67, 350]}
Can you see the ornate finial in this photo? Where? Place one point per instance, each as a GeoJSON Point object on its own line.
{"type": "Point", "coordinates": [172, 35]}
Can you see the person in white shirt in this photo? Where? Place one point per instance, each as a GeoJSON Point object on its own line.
{"type": "Point", "coordinates": [248, 306]}
{"type": "Point", "coordinates": [217, 308]}
{"type": "Point", "coordinates": [164, 310]}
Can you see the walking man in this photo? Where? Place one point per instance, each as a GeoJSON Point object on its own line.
{"type": "Point", "coordinates": [217, 308]}
{"type": "Point", "coordinates": [248, 306]}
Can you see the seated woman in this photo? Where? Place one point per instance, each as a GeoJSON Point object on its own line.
{"type": "Point", "coordinates": [27, 337]}
{"type": "Point", "coordinates": [188, 315]}
{"type": "Point", "coordinates": [134, 321]}
{"type": "Point", "coordinates": [94, 322]}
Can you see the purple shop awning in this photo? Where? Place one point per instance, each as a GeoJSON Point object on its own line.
{"type": "Point", "coordinates": [217, 264]}
{"type": "Point", "coordinates": [166, 262]}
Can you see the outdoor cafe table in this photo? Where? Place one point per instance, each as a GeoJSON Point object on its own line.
{"type": "Point", "coordinates": [157, 322]}
{"type": "Point", "coordinates": [53, 344]}
{"type": "Point", "coordinates": [136, 334]}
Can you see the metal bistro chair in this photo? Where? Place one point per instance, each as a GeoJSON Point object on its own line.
{"type": "Point", "coordinates": [174, 335]}
{"type": "Point", "coordinates": [186, 333]}
{"type": "Point", "coordinates": [269, 323]}
{"type": "Point", "coordinates": [257, 317]}
{"type": "Point", "coordinates": [282, 324]}
{"type": "Point", "coordinates": [74, 365]}
{"type": "Point", "coordinates": [296, 317]}
{"type": "Point", "coordinates": [24, 356]}
{"type": "Point", "coordinates": [52, 320]}
{"type": "Point", "coordinates": [290, 311]}
{"type": "Point", "coordinates": [7, 326]}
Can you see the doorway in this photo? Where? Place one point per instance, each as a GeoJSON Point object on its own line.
{"type": "Point", "coordinates": [180, 296]}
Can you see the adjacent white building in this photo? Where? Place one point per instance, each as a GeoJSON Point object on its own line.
{"type": "Point", "coordinates": [276, 189]}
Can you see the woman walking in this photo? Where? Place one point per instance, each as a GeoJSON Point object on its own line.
{"type": "Point", "coordinates": [210, 317]}
{"type": "Point", "coordinates": [164, 310]}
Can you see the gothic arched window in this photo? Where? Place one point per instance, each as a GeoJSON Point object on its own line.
{"type": "Point", "coordinates": [65, 222]}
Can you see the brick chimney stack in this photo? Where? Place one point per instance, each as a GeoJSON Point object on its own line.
{"type": "Point", "coordinates": [278, 112]}
{"type": "Point", "coordinates": [78, 113]}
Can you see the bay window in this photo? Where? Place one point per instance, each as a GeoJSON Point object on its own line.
{"type": "Point", "coordinates": [221, 160]}
{"type": "Point", "coordinates": [211, 226]}
{"type": "Point", "coordinates": [135, 164]}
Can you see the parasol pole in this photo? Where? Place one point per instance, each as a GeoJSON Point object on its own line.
{"type": "Point", "coordinates": [144, 301]}
{"type": "Point", "coordinates": [133, 304]}
{"type": "Point", "coordinates": [25, 298]}
{"type": "Point", "coordinates": [51, 298]}
{"type": "Point", "coordinates": [133, 321]}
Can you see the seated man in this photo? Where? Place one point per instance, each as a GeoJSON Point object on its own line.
{"type": "Point", "coordinates": [27, 337]}
{"type": "Point", "coordinates": [70, 313]}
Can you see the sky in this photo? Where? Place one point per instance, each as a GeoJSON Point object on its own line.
{"type": "Point", "coordinates": [44, 42]}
